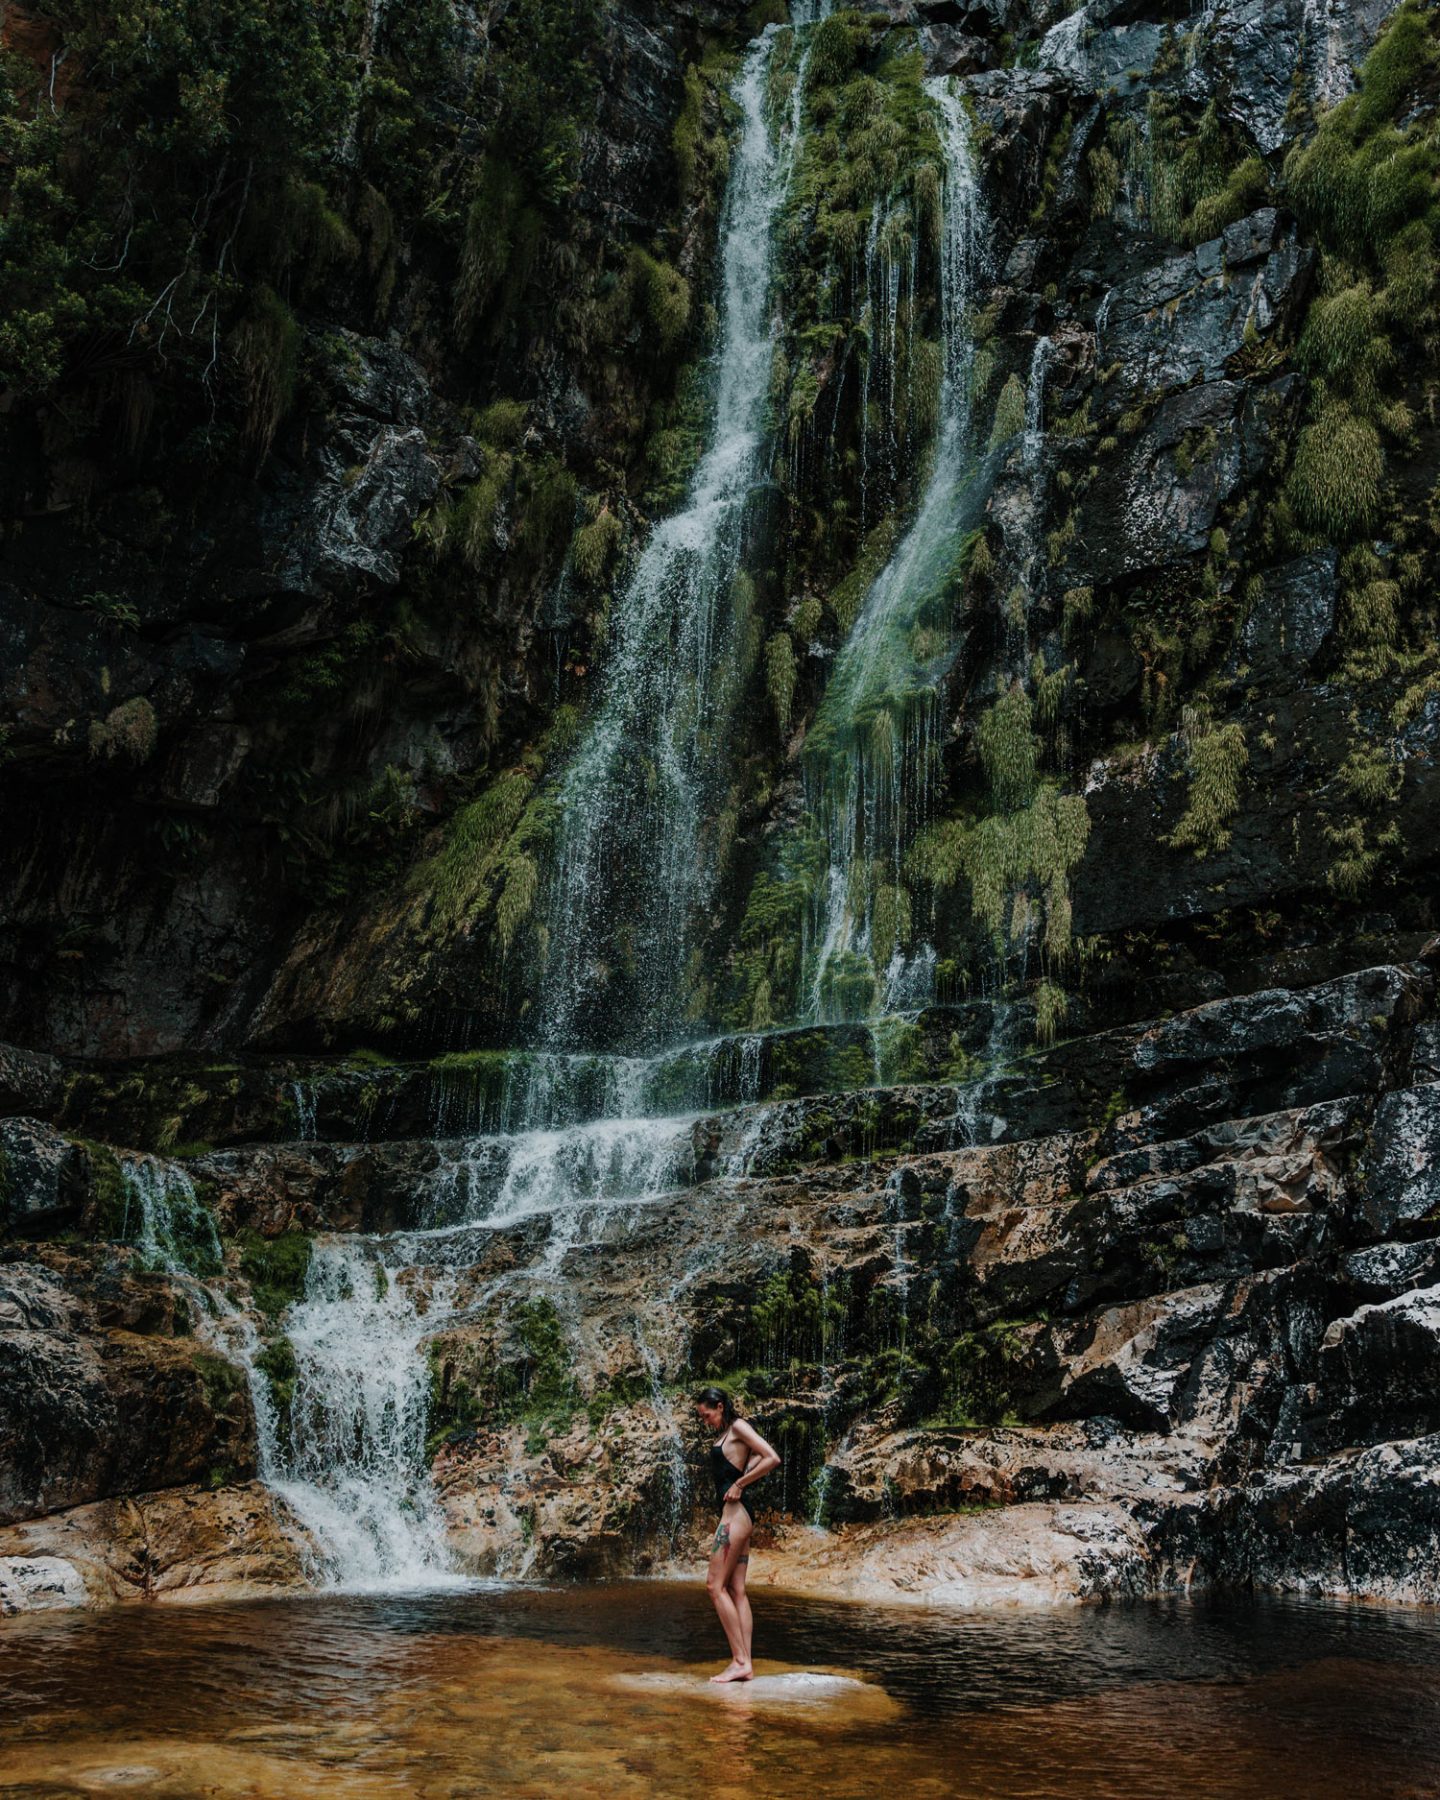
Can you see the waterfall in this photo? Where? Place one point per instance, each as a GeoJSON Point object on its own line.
{"type": "Point", "coordinates": [347, 1454]}
{"type": "Point", "coordinates": [303, 1093]}
{"type": "Point", "coordinates": [504, 1179]}
{"type": "Point", "coordinates": [634, 863]}
{"type": "Point", "coordinates": [677, 1473]}
{"type": "Point", "coordinates": [171, 1227]}
{"type": "Point", "coordinates": [869, 753]}
{"type": "Point", "coordinates": [351, 1461]}
{"type": "Point", "coordinates": [1035, 403]}
{"type": "Point", "coordinates": [635, 857]}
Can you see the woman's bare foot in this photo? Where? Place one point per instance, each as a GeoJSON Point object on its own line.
{"type": "Point", "coordinates": [736, 1672]}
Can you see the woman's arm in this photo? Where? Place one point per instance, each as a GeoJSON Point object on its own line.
{"type": "Point", "coordinates": [761, 1459]}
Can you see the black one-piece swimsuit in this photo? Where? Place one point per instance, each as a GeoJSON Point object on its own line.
{"type": "Point", "coordinates": [726, 1475]}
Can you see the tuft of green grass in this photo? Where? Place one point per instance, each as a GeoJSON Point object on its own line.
{"type": "Point", "coordinates": [1334, 484]}
{"type": "Point", "coordinates": [1009, 419]}
{"type": "Point", "coordinates": [1217, 761]}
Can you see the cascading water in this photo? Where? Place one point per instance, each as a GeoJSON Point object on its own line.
{"type": "Point", "coordinates": [351, 1461]}
{"type": "Point", "coordinates": [635, 861]}
{"type": "Point", "coordinates": [171, 1228]}
{"type": "Point", "coordinates": [347, 1454]}
{"type": "Point", "coordinates": [635, 857]}
{"type": "Point", "coordinates": [869, 752]}
{"type": "Point", "coordinates": [1035, 403]}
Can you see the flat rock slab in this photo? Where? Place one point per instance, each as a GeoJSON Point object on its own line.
{"type": "Point", "coordinates": [787, 1687]}
{"type": "Point", "coordinates": [1033, 1554]}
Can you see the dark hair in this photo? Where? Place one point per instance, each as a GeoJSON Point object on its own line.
{"type": "Point", "coordinates": [713, 1396]}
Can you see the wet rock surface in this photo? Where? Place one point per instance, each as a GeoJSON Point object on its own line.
{"type": "Point", "coordinates": [1171, 1317]}
{"type": "Point", "coordinates": [1155, 1305]}
{"type": "Point", "coordinates": [105, 1389]}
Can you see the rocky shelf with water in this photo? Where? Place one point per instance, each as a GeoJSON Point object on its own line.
{"type": "Point", "coordinates": [1155, 1309]}
{"type": "Point", "coordinates": [723, 692]}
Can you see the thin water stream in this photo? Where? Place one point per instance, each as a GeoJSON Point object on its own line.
{"type": "Point", "coordinates": [602, 1691]}
{"type": "Point", "coordinates": [869, 753]}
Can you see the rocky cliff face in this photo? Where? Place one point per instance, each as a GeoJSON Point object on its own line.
{"type": "Point", "coordinates": [1120, 1277]}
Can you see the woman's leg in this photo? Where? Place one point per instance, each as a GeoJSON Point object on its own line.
{"type": "Point", "coordinates": [742, 1603]}
{"type": "Point", "coordinates": [722, 1561]}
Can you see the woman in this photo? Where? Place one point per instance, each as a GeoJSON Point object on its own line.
{"type": "Point", "coordinates": [739, 1457]}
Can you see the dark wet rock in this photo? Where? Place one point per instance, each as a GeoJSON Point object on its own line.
{"type": "Point", "coordinates": [1152, 504]}
{"type": "Point", "coordinates": [1379, 1371]}
{"type": "Point", "coordinates": [1195, 1255]}
{"type": "Point", "coordinates": [950, 51]}
{"type": "Point", "coordinates": [98, 1396]}
{"type": "Point", "coordinates": [368, 480]}
{"type": "Point", "coordinates": [1184, 319]}
{"type": "Point", "coordinates": [1402, 1161]}
{"type": "Point", "coordinates": [1198, 1307]}
{"type": "Point", "coordinates": [44, 1178]}
{"type": "Point", "coordinates": [1117, 56]}
{"type": "Point", "coordinates": [1383, 1271]}
{"type": "Point", "coordinates": [29, 1081]}
{"type": "Point", "coordinates": [1278, 846]}
{"type": "Point", "coordinates": [1258, 56]}
{"type": "Point", "coordinates": [1366, 1523]}
{"type": "Point", "coordinates": [204, 764]}
{"type": "Point", "coordinates": [1291, 620]}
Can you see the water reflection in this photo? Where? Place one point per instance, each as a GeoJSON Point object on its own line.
{"type": "Point", "coordinates": [598, 1690]}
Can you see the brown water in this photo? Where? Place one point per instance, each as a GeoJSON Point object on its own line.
{"type": "Point", "coordinates": [599, 1691]}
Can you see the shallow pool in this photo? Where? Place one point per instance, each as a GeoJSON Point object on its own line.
{"type": "Point", "coordinates": [602, 1690]}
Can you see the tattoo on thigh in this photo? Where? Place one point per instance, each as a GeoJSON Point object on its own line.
{"type": "Point", "coordinates": [722, 1538]}
{"type": "Point", "coordinates": [740, 1559]}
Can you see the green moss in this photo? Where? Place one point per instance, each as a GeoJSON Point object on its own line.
{"type": "Point", "coordinates": [129, 732]}
{"type": "Point", "coordinates": [780, 675]}
{"type": "Point", "coordinates": [110, 1193]}
{"type": "Point", "coordinates": [662, 299]}
{"type": "Point", "coordinates": [795, 1315]}
{"type": "Point", "coordinates": [1033, 849]}
{"type": "Point", "coordinates": [1217, 760]}
{"type": "Point", "coordinates": [502, 424]}
{"type": "Point", "coordinates": [1008, 750]}
{"type": "Point", "coordinates": [266, 346]}
{"type": "Point", "coordinates": [1191, 176]}
{"type": "Point", "coordinates": [1362, 176]}
{"type": "Point", "coordinates": [688, 134]}
{"type": "Point", "coordinates": [848, 596]}
{"type": "Point", "coordinates": [276, 1362]}
{"type": "Point", "coordinates": [1052, 1004]}
{"type": "Point", "coordinates": [1105, 181]}
{"type": "Point", "coordinates": [536, 1382]}
{"type": "Point", "coordinates": [275, 1268]}
{"type": "Point", "coordinates": [979, 1375]}
{"type": "Point", "coordinates": [1358, 858]}
{"type": "Point", "coordinates": [458, 879]}
{"type": "Point", "coordinates": [1078, 609]}
{"type": "Point", "coordinates": [500, 239]}
{"type": "Point", "coordinates": [1364, 186]}
{"type": "Point", "coordinates": [834, 47]}
{"type": "Point", "coordinates": [1370, 776]}
{"type": "Point", "coordinates": [594, 546]}
{"type": "Point", "coordinates": [517, 896]}
{"type": "Point", "coordinates": [220, 1380]}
